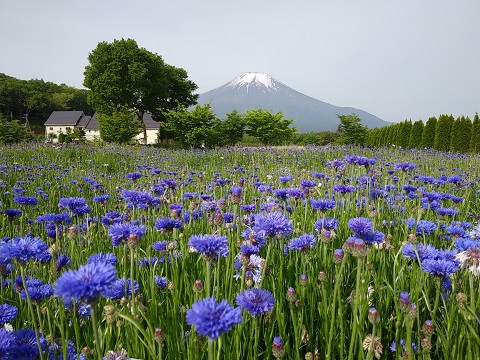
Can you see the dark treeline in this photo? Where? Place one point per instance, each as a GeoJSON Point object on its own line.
{"type": "Point", "coordinates": [445, 133]}
{"type": "Point", "coordinates": [34, 100]}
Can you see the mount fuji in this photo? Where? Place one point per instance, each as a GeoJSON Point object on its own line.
{"type": "Point", "coordinates": [253, 90]}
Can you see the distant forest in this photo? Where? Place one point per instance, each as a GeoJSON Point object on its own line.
{"type": "Point", "coordinates": [34, 100]}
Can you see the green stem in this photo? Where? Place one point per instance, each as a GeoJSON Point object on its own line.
{"type": "Point", "coordinates": [338, 281]}
{"type": "Point", "coordinates": [30, 308]}
{"type": "Point", "coordinates": [132, 274]}
{"type": "Point", "coordinates": [370, 348]}
{"type": "Point", "coordinates": [210, 348]}
{"type": "Point", "coordinates": [208, 279]}
{"type": "Point", "coordinates": [98, 342]}
{"type": "Point", "coordinates": [355, 317]}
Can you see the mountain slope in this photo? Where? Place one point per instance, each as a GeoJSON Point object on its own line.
{"type": "Point", "coordinates": [261, 91]}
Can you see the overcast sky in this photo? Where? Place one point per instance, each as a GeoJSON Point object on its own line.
{"type": "Point", "coordinates": [408, 59]}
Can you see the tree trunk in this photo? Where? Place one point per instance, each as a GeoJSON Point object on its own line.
{"type": "Point", "coordinates": [140, 117]}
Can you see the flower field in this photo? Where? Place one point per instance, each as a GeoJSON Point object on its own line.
{"type": "Point", "coordinates": [239, 253]}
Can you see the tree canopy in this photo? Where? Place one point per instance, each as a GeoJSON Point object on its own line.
{"type": "Point", "coordinates": [352, 130]}
{"type": "Point", "coordinates": [120, 127]}
{"type": "Point", "coordinates": [34, 100]}
{"type": "Point", "coordinates": [123, 74]}
{"type": "Point", "coordinates": [270, 129]}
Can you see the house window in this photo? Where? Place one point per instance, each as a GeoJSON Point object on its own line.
{"type": "Point", "coordinates": [51, 129]}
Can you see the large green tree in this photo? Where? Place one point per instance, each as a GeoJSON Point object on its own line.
{"type": "Point", "coordinates": [475, 137]}
{"type": "Point", "coordinates": [443, 132]}
{"type": "Point", "coordinates": [351, 130]}
{"type": "Point", "coordinates": [121, 126]}
{"type": "Point", "coordinates": [123, 74]}
{"type": "Point", "coordinates": [268, 128]}
{"type": "Point", "coordinates": [229, 131]}
{"type": "Point", "coordinates": [428, 136]}
{"type": "Point", "coordinates": [190, 128]}
{"type": "Point", "coordinates": [416, 135]}
{"type": "Point", "coordinates": [12, 131]}
{"type": "Point", "coordinates": [34, 100]}
{"type": "Point", "coordinates": [461, 134]}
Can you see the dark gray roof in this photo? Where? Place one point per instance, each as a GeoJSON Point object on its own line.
{"type": "Point", "coordinates": [83, 121]}
{"type": "Point", "coordinates": [149, 122]}
{"type": "Point", "coordinates": [64, 118]}
{"type": "Point", "coordinates": [93, 123]}
{"type": "Point", "coordinates": [78, 119]}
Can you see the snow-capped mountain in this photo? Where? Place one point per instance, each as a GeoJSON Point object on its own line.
{"type": "Point", "coordinates": [253, 90]}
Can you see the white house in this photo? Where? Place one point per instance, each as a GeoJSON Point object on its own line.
{"type": "Point", "coordinates": [59, 121]}
{"type": "Point", "coordinates": [63, 121]}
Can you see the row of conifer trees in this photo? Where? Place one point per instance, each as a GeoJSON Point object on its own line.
{"type": "Point", "coordinates": [445, 134]}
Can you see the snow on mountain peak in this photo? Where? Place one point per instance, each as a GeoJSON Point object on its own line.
{"type": "Point", "coordinates": [253, 79]}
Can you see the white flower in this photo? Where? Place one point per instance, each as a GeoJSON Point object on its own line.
{"type": "Point", "coordinates": [470, 259]}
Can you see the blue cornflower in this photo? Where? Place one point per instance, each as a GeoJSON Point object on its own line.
{"type": "Point", "coordinates": [210, 246]}
{"type": "Point", "coordinates": [373, 237]}
{"type": "Point", "coordinates": [322, 204]}
{"type": "Point", "coordinates": [274, 224]}
{"type": "Point", "coordinates": [456, 229]}
{"type": "Point", "coordinates": [108, 258]}
{"type": "Point", "coordinates": [236, 190]}
{"type": "Point", "coordinates": [360, 225]}
{"type": "Point", "coordinates": [255, 301]}
{"type": "Point", "coordinates": [12, 213]}
{"type": "Point", "coordinates": [167, 224]}
{"type": "Point", "coordinates": [37, 290]}
{"type": "Point", "coordinates": [139, 199]}
{"type": "Point", "coordinates": [160, 246]}
{"type": "Point", "coordinates": [77, 206]}
{"type": "Point", "coordinates": [111, 217]}
{"type": "Point", "coordinates": [55, 218]}
{"type": "Point", "coordinates": [248, 207]}
{"type": "Point", "coordinates": [161, 281]}
{"type": "Point", "coordinates": [307, 184]}
{"type": "Point", "coordinates": [24, 249]}
{"type": "Point", "coordinates": [25, 345]}
{"type": "Point", "coordinates": [326, 223]}
{"type": "Point", "coordinates": [25, 200]}
{"type": "Point", "coordinates": [121, 288]}
{"type": "Point", "coordinates": [335, 163]}
{"type": "Point", "coordinates": [7, 342]}
{"type": "Point", "coordinates": [440, 267]}
{"type": "Point", "coordinates": [133, 176]}
{"type": "Point", "coordinates": [212, 319]}
{"type": "Point", "coordinates": [404, 166]}
{"type": "Point", "coordinates": [7, 313]}
{"type": "Point", "coordinates": [194, 214]}
{"type": "Point", "coordinates": [176, 209]}
{"type": "Point", "coordinates": [86, 283]}
{"type": "Point", "coordinates": [121, 233]}
{"type": "Point", "coordinates": [270, 206]}
{"type": "Point", "coordinates": [344, 189]}
{"type": "Point", "coordinates": [248, 249]}
{"type": "Point", "coordinates": [101, 198]}
{"type": "Point", "coordinates": [258, 239]}
{"type": "Point", "coordinates": [302, 243]}
{"type": "Point", "coordinates": [295, 193]}
{"type": "Point", "coordinates": [62, 261]}
{"type": "Point", "coordinates": [424, 251]}
{"type": "Point", "coordinates": [285, 178]}
{"type": "Point", "coordinates": [447, 211]}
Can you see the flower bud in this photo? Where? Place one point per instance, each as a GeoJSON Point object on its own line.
{"type": "Point", "coordinates": [197, 286]}
{"type": "Point", "coordinates": [291, 295]}
{"type": "Point", "coordinates": [373, 316]}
